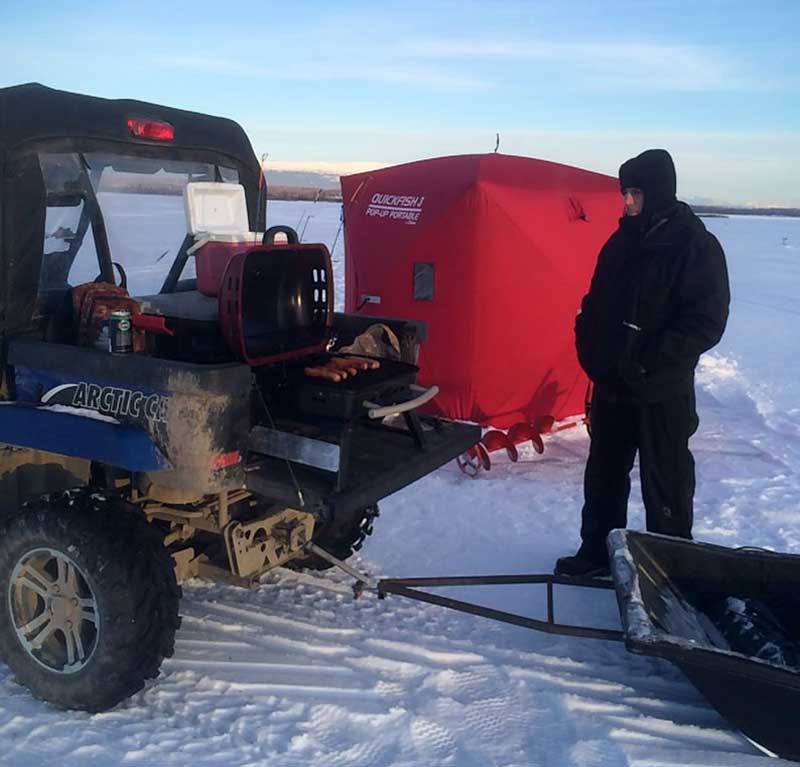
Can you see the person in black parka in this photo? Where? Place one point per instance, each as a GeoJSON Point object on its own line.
{"type": "Point", "coordinates": [658, 299]}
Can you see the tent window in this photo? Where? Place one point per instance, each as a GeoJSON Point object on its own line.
{"type": "Point", "coordinates": [423, 282]}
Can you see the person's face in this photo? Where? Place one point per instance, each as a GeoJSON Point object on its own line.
{"type": "Point", "coordinates": [634, 200]}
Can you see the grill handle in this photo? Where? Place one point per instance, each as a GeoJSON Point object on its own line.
{"type": "Point", "coordinates": [377, 411]}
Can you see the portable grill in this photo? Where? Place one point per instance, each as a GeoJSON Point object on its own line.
{"type": "Point", "coordinates": [315, 437]}
{"type": "Point", "coordinates": [326, 427]}
{"type": "Point", "coordinates": [357, 394]}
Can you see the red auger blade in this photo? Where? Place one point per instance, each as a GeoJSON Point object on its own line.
{"type": "Point", "coordinates": [522, 432]}
{"type": "Point", "coordinates": [468, 463]}
{"type": "Point", "coordinates": [496, 440]}
{"type": "Point", "coordinates": [473, 460]}
{"type": "Point", "coordinates": [486, 462]}
{"type": "Point", "coordinates": [544, 423]}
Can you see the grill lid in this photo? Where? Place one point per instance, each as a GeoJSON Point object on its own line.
{"type": "Point", "coordinates": [276, 303]}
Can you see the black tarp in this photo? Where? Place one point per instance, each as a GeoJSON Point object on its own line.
{"type": "Point", "coordinates": [34, 118]}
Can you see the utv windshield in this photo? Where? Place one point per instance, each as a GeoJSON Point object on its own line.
{"type": "Point", "coordinates": [130, 206]}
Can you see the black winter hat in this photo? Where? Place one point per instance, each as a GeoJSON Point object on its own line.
{"type": "Point", "coordinates": [654, 173]}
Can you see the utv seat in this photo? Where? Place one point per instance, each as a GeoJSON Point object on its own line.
{"type": "Point", "coordinates": [194, 330]}
{"type": "Point", "coordinates": [190, 305]}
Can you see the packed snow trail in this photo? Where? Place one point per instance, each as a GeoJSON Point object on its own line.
{"type": "Point", "coordinates": [298, 673]}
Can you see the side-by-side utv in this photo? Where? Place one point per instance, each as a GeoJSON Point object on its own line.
{"type": "Point", "coordinates": [177, 396]}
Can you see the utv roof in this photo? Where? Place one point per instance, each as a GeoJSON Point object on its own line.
{"type": "Point", "coordinates": [33, 112]}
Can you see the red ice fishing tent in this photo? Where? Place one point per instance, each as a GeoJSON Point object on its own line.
{"type": "Point", "coordinates": [493, 252]}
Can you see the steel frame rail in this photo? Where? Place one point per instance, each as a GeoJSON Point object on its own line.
{"type": "Point", "coordinates": [409, 588]}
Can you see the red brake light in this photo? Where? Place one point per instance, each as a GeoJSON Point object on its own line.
{"type": "Point", "coordinates": [223, 460]}
{"type": "Point", "coordinates": [153, 130]}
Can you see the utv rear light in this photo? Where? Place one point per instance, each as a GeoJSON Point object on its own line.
{"type": "Point", "coordinates": [152, 130]}
{"type": "Point", "coordinates": [223, 460]}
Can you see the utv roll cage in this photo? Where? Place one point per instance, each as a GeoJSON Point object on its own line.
{"type": "Point", "coordinates": [35, 120]}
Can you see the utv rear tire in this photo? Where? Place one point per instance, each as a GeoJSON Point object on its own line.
{"type": "Point", "coordinates": [88, 599]}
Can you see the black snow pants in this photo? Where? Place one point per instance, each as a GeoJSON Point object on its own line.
{"type": "Point", "coordinates": [660, 431]}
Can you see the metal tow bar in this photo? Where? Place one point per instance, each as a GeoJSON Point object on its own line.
{"type": "Point", "coordinates": [362, 581]}
{"type": "Point", "coordinates": [408, 587]}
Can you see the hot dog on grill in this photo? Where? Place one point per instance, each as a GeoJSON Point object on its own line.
{"type": "Point", "coordinates": [360, 363]}
{"type": "Point", "coordinates": [325, 372]}
{"type": "Point", "coordinates": [337, 363]}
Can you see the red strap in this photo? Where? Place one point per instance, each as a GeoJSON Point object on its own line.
{"type": "Point", "coordinates": [152, 323]}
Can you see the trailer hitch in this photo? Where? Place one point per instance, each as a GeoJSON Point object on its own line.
{"type": "Point", "coordinates": [363, 581]}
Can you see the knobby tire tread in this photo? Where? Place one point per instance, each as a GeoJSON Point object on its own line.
{"type": "Point", "coordinates": [134, 582]}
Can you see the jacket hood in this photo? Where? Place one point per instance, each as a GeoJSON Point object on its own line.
{"type": "Point", "coordinates": [654, 173]}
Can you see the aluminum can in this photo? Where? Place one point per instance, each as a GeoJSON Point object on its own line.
{"type": "Point", "coordinates": [120, 332]}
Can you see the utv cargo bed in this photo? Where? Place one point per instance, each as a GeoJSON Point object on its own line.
{"type": "Point", "coordinates": [371, 461]}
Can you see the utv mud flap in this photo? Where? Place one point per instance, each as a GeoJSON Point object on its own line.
{"type": "Point", "coordinates": [374, 461]}
{"type": "Point", "coordinates": [81, 434]}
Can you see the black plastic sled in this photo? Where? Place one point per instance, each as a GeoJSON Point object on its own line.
{"type": "Point", "coordinates": [728, 618]}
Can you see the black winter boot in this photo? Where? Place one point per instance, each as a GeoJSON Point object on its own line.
{"type": "Point", "coordinates": [590, 563]}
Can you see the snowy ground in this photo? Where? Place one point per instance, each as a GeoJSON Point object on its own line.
{"type": "Point", "coordinates": [297, 673]}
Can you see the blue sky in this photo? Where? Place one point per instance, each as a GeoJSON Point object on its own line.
{"type": "Point", "coordinates": [586, 83]}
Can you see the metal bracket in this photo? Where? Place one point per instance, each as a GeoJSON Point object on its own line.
{"type": "Point", "coordinates": [258, 545]}
{"type": "Point", "coordinates": [190, 565]}
{"type": "Point", "coordinates": [295, 447]}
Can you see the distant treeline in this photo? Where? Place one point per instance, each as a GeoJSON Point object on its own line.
{"type": "Point", "coordinates": [137, 184]}
{"type": "Point", "coordinates": [276, 192]}
{"type": "Point", "coordinates": [718, 210]}
{"type": "Point", "coordinates": [334, 195]}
